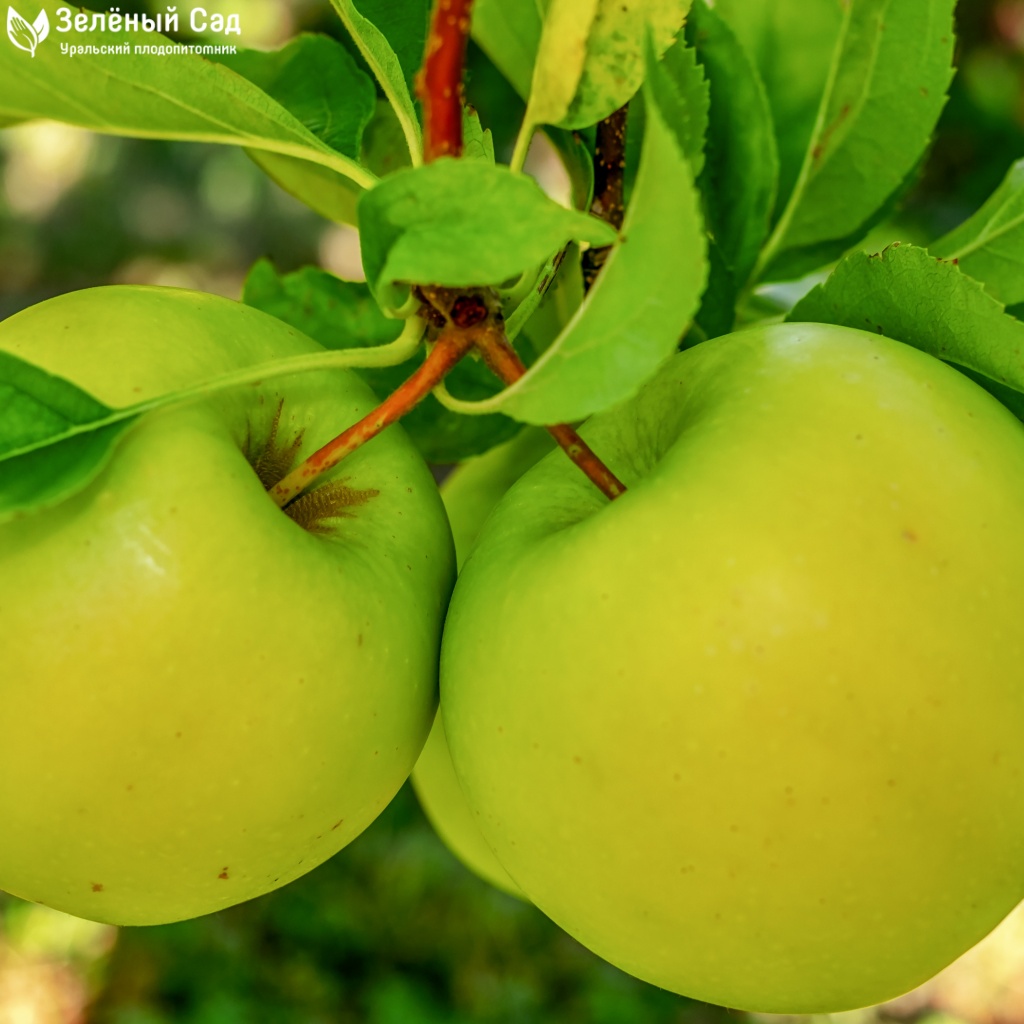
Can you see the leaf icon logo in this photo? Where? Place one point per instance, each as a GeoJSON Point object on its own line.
{"type": "Point", "coordinates": [25, 36]}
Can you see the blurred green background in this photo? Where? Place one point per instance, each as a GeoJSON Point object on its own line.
{"type": "Point", "coordinates": [393, 930]}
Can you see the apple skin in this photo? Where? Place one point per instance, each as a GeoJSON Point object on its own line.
{"type": "Point", "coordinates": [201, 699]}
{"type": "Point", "coordinates": [473, 489]}
{"type": "Point", "coordinates": [443, 802]}
{"type": "Point", "coordinates": [753, 731]}
{"type": "Point", "coordinates": [470, 494]}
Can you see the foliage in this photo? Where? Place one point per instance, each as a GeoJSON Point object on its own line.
{"type": "Point", "coordinates": [906, 294]}
{"type": "Point", "coordinates": [341, 315]}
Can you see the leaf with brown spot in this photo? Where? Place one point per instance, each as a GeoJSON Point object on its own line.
{"type": "Point", "coordinates": [890, 74]}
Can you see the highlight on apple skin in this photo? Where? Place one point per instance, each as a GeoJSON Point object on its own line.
{"type": "Point", "coordinates": [205, 696]}
{"type": "Point", "coordinates": [752, 731]}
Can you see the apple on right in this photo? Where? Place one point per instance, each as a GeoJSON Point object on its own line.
{"type": "Point", "coordinates": [753, 731]}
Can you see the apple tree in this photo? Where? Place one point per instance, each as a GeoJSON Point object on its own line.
{"type": "Point", "coordinates": [729, 680]}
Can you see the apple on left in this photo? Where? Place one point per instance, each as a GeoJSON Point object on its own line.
{"type": "Point", "coordinates": [204, 697]}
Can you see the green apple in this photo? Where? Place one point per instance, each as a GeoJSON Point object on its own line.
{"type": "Point", "coordinates": [473, 489]}
{"type": "Point", "coordinates": [470, 493]}
{"type": "Point", "coordinates": [752, 732]}
{"type": "Point", "coordinates": [204, 697]}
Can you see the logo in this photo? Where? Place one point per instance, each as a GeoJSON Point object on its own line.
{"type": "Point", "coordinates": [25, 36]}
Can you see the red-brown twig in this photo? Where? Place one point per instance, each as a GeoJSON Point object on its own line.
{"type": "Point", "coordinates": [504, 362]}
{"type": "Point", "coordinates": [451, 346]}
{"type": "Point", "coordinates": [439, 84]}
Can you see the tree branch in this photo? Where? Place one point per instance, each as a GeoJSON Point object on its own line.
{"type": "Point", "coordinates": [439, 83]}
{"type": "Point", "coordinates": [461, 319]}
{"type": "Point", "coordinates": [451, 346]}
{"type": "Point", "coordinates": [504, 362]}
{"type": "Point", "coordinates": [609, 183]}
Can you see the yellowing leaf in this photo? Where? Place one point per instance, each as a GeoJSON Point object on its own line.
{"type": "Point", "coordinates": [591, 57]}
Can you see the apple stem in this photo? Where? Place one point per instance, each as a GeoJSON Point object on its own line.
{"type": "Point", "coordinates": [463, 321]}
{"type": "Point", "coordinates": [451, 345]}
{"type": "Point", "coordinates": [504, 362]}
{"type": "Point", "coordinates": [439, 83]}
{"type": "Point", "coordinates": [609, 186]}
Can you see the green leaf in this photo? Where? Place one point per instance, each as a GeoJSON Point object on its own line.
{"type": "Point", "coordinates": [43, 477]}
{"type": "Point", "coordinates": [561, 58]}
{"type": "Point", "coordinates": [642, 302]}
{"type": "Point", "coordinates": [717, 313]}
{"type": "Point", "coordinates": [799, 263]}
{"type": "Point", "coordinates": [315, 78]}
{"type": "Point", "coordinates": [636, 119]}
{"type": "Point", "coordinates": [578, 162]}
{"type": "Point", "coordinates": [889, 78]}
{"type": "Point", "coordinates": [45, 456]}
{"type": "Point", "coordinates": [323, 191]}
{"type": "Point", "coordinates": [384, 148]}
{"type": "Point", "coordinates": [990, 245]}
{"type": "Point", "coordinates": [590, 59]}
{"type": "Point", "coordinates": [791, 44]}
{"type": "Point", "coordinates": [685, 98]}
{"type": "Point", "coordinates": [342, 314]}
{"type": "Point", "coordinates": [742, 172]}
{"type": "Point", "coordinates": [186, 97]}
{"type": "Point", "coordinates": [559, 304]}
{"type": "Point", "coordinates": [477, 141]}
{"type": "Point", "coordinates": [332, 196]}
{"type": "Point", "coordinates": [907, 294]}
{"type": "Point", "coordinates": [386, 66]}
{"type": "Point", "coordinates": [404, 25]}
{"type": "Point", "coordinates": [37, 405]}
{"type": "Point", "coordinates": [509, 33]}
{"type": "Point", "coordinates": [460, 223]}
{"type": "Point", "coordinates": [338, 314]}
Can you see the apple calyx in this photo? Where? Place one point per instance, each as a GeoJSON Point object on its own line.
{"type": "Point", "coordinates": [272, 458]}
{"type": "Point", "coordinates": [315, 510]}
{"type": "Point", "coordinates": [442, 357]}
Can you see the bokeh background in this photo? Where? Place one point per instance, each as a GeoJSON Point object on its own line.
{"type": "Point", "coordinates": [393, 930]}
